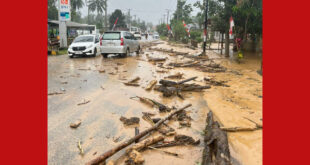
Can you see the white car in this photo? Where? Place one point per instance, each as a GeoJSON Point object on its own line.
{"type": "Point", "coordinates": [119, 42]}
{"type": "Point", "coordinates": [137, 35]}
{"type": "Point", "coordinates": [85, 45]}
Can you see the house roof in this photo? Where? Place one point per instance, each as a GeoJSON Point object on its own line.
{"type": "Point", "coordinates": [71, 24]}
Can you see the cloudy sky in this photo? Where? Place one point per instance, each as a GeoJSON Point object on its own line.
{"type": "Point", "coordinates": [147, 10]}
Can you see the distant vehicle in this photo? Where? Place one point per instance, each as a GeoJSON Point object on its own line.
{"type": "Point", "coordinates": [119, 42]}
{"type": "Point", "coordinates": [156, 36]}
{"type": "Point", "coordinates": [134, 29]}
{"type": "Point", "coordinates": [87, 45]}
{"type": "Point", "coordinates": [137, 35]}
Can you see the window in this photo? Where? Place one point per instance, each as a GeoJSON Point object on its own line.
{"type": "Point", "coordinates": [111, 36]}
{"type": "Point", "coordinates": [84, 39]}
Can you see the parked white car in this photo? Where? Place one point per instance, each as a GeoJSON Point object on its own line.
{"type": "Point", "coordinates": [119, 42]}
{"type": "Point", "coordinates": [85, 45]}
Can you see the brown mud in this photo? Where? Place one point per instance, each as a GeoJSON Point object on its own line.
{"type": "Point", "coordinates": [101, 129]}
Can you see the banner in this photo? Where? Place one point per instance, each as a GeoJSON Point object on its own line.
{"type": "Point", "coordinates": [189, 35]}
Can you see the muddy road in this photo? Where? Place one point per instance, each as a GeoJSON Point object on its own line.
{"type": "Point", "coordinates": [98, 83]}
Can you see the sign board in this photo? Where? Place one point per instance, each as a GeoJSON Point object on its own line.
{"type": "Point", "coordinates": [64, 10]}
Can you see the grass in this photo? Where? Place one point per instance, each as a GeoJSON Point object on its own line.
{"type": "Point", "coordinates": [62, 52]}
{"type": "Point", "coordinates": [163, 38]}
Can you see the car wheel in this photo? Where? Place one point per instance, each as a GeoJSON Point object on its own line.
{"type": "Point", "coordinates": [71, 56]}
{"type": "Point", "coordinates": [95, 53]}
{"type": "Point", "coordinates": [127, 53]}
{"type": "Point", "coordinates": [104, 55]}
{"type": "Point", "coordinates": [138, 50]}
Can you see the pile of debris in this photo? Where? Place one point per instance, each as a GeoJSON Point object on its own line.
{"type": "Point", "coordinates": [211, 67]}
{"type": "Point", "coordinates": [170, 88]}
{"type": "Point", "coordinates": [133, 154]}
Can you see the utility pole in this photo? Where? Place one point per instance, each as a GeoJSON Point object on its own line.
{"type": "Point", "coordinates": [129, 20]}
{"type": "Point", "coordinates": [205, 29]}
{"type": "Point", "coordinates": [168, 16]}
{"type": "Point", "coordinates": [164, 18]}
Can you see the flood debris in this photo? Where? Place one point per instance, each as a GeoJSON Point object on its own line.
{"type": "Point", "coordinates": [80, 147]}
{"type": "Point", "coordinates": [111, 152]}
{"type": "Point", "coordinates": [179, 140]}
{"type": "Point", "coordinates": [166, 152]}
{"type": "Point", "coordinates": [211, 81]}
{"type": "Point", "coordinates": [216, 143]}
{"type": "Point", "coordinates": [132, 82]}
{"type": "Point", "coordinates": [243, 129]}
{"type": "Point", "coordinates": [84, 102]}
{"type": "Point", "coordinates": [170, 88]}
{"type": "Point", "coordinates": [176, 76]}
{"type": "Point", "coordinates": [134, 158]}
{"type": "Point", "coordinates": [161, 107]}
{"type": "Point", "coordinates": [184, 119]}
{"type": "Point", "coordinates": [75, 124]}
{"type": "Point", "coordinates": [151, 85]}
{"type": "Point", "coordinates": [102, 71]}
{"type": "Point", "coordinates": [130, 121]}
{"type": "Point", "coordinates": [55, 93]}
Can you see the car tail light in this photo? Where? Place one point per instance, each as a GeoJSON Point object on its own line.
{"type": "Point", "coordinates": [100, 41]}
{"type": "Point", "coordinates": [122, 41]}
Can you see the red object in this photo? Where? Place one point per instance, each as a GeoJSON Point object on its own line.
{"type": "Point", "coordinates": [115, 23]}
{"type": "Point", "coordinates": [168, 27]}
{"type": "Point", "coordinates": [122, 41]}
{"type": "Point", "coordinates": [189, 35]}
{"type": "Point", "coordinates": [23, 122]}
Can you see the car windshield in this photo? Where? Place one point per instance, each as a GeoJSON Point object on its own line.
{"type": "Point", "coordinates": [137, 33]}
{"type": "Point", "coordinates": [84, 39]}
{"type": "Point", "coordinates": [111, 36]}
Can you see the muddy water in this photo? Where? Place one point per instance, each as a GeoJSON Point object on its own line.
{"type": "Point", "coordinates": [80, 79]}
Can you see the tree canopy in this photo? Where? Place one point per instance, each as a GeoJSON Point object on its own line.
{"type": "Point", "coordinates": [121, 19]}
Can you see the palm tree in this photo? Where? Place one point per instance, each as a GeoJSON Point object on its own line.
{"type": "Point", "coordinates": [77, 4]}
{"type": "Point", "coordinates": [99, 6]}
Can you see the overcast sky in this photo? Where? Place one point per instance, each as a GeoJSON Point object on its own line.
{"type": "Point", "coordinates": [147, 10]}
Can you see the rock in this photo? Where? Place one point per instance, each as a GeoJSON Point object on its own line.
{"type": "Point", "coordinates": [134, 158]}
{"type": "Point", "coordinates": [130, 121]}
{"type": "Point", "coordinates": [75, 124]}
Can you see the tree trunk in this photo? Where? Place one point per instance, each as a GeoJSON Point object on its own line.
{"type": "Point", "coordinates": [227, 43]}
{"type": "Point", "coordinates": [106, 16]}
{"type": "Point", "coordinates": [222, 42]}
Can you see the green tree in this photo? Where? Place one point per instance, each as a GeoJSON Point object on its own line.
{"type": "Point", "coordinates": [121, 19]}
{"type": "Point", "coordinates": [162, 29]}
{"type": "Point", "coordinates": [76, 5]}
{"type": "Point", "coordinates": [180, 33]}
{"type": "Point", "coordinates": [99, 6]}
{"type": "Point", "coordinates": [52, 11]}
{"type": "Point", "coordinates": [182, 12]}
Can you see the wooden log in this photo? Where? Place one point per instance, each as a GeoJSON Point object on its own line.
{"type": "Point", "coordinates": [131, 84]}
{"type": "Point", "coordinates": [111, 152]}
{"type": "Point", "coordinates": [216, 143]}
{"type": "Point", "coordinates": [134, 80]}
{"type": "Point", "coordinates": [176, 76]}
{"type": "Point", "coordinates": [239, 129]}
{"type": "Point", "coordinates": [151, 84]}
{"type": "Point", "coordinates": [145, 143]}
{"type": "Point", "coordinates": [187, 80]}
